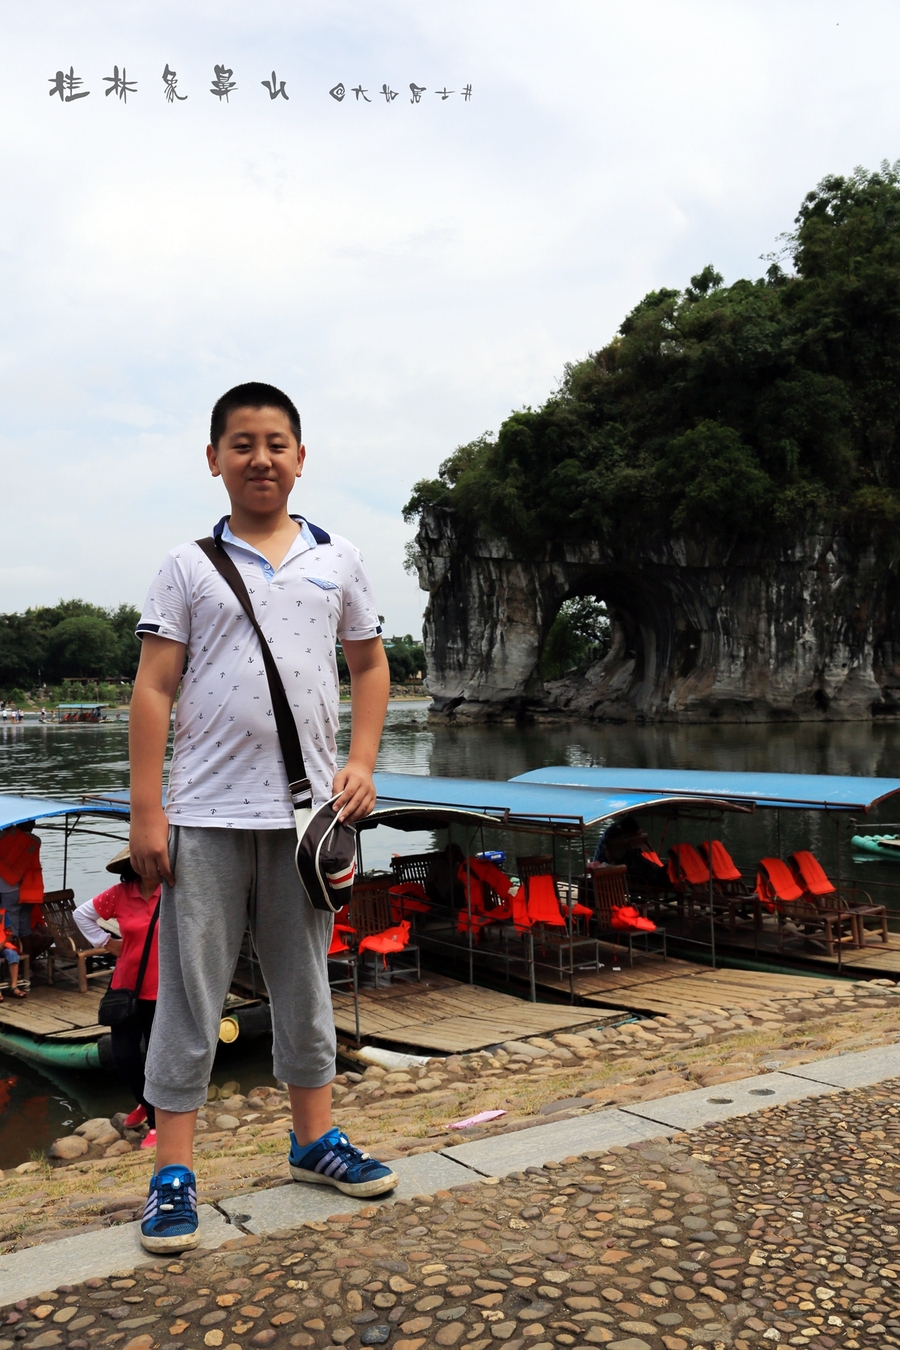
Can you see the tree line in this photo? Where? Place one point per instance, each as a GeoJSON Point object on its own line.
{"type": "Point", "coordinates": [74, 640]}
{"type": "Point", "coordinates": [750, 410]}
{"type": "Point", "coordinates": [405, 655]}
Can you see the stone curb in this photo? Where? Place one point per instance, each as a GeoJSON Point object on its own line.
{"type": "Point", "coordinates": [73, 1259]}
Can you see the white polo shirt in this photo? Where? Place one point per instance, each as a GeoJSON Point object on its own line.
{"type": "Point", "coordinates": [226, 767]}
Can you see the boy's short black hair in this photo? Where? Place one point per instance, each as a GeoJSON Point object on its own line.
{"type": "Point", "coordinates": [251, 395]}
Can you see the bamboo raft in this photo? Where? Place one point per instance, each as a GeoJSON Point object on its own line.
{"type": "Point", "coordinates": [677, 988]}
{"type": "Point", "coordinates": [441, 1014]}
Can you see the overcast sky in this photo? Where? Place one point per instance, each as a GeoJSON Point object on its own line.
{"type": "Point", "coordinates": [408, 272]}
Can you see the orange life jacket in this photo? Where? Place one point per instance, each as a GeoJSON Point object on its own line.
{"type": "Point", "coordinates": [20, 864]}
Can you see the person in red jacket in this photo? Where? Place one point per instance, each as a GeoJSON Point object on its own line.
{"type": "Point", "coordinates": [131, 902]}
{"type": "Point", "coordinates": [22, 888]}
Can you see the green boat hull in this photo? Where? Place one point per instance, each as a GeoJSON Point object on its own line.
{"type": "Point", "coordinates": [248, 1022]}
{"type": "Point", "coordinates": [871, 844]}
{"type": "Point", "coordinates": [72, 1055]}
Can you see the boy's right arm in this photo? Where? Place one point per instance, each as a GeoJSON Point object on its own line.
{"type": "Point", "coordinates": [155, 687]}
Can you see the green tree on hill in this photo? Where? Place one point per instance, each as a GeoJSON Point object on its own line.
{"type": "Point", "coordinates": [727, 410]}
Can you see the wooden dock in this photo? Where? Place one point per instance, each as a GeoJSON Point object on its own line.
{"type": "Point", "coordinates": [674, 988]}
{"type": "Point", "coordinates": [54, 1012]}
{"type": "Point", "coordinates": [876, 958]}
{"type": "Point", "coordinates": [443, 1015]}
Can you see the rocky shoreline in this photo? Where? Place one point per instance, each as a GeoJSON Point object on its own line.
{"type": "Point", "coordinates": [98, 1176]}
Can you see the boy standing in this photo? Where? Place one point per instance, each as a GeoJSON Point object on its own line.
{"type": "Point", "coordinates": [224, 846]}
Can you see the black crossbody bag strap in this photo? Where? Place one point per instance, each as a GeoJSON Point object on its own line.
{"type": "Point", "coordinates": [145, 954]}
{"type": "Point", "coordinates": [298, 782]}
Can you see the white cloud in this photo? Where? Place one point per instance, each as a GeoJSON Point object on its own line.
{"type": "Point", "coordinates": [409, 273]}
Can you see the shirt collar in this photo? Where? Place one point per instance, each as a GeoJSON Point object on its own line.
{"type": "Point", "coordinates": [305, 539]}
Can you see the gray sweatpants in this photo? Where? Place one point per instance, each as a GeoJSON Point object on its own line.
{"type": "Point", "coordinates": [223, 879]}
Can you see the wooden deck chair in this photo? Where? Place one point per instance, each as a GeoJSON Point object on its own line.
{"type": "Point", "coordinates": [70, 946]}
{"type": "Point", "coordinates": [778, 890]}
{"type": "Point", "coordinates": [608, 889]}
{"type": "Point", "coordinates": [435, 872]}
{"type": "Point", "coordinates": [810, 874]}
{"type": "Point", "coordinates": [738, 895]}
{"type": "Point", "coordinates": [616, 910]}
{"type": "Point", "coordinates": [370, 916]}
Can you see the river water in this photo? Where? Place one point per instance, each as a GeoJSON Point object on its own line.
{"type": "Point", "coordinates": [62, 761]}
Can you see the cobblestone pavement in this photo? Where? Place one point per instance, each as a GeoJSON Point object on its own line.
{"type": "Point", "coordinates": [98, 1180]}
{"type": "Point", "coordinates": [773, 1230]}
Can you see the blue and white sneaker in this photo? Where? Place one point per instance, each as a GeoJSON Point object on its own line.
{"type": "Point", "coordinates": [333, 1161]}
{"type": "Point", "coordinates": [170, 1220]}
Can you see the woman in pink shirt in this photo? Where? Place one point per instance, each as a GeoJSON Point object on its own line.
{"type": "Point", "coordinates": [131, 902]}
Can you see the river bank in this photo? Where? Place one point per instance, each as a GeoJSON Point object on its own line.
{"type": "Point", "coordinates": [243, 1135]}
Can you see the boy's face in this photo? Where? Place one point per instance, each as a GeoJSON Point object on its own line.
{"type": "Point", "coordinates": [257, 458]}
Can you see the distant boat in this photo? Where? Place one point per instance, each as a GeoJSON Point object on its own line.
{"type": "Point", "coordinates": [880, 845]}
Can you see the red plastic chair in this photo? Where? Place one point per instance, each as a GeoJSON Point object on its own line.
{"type": "Point", "coordinates": [778, 890]}
{"type": "Point", "coordinates": [686, 867]}
{"type": "Point", "coordinates": [543, 904]}
{"type": "Point", "coordinates": [478, 914]}
{"type": "Point", "coordinates": [338, 946]}
{"type": "Point", "coordinates": [810, 874]}
{"type": "Point", "coordinates": [774, 882]}
{"type": "Point", "coordinates": [723, 865]}
{"type": "Point", "coordinates": [391, 940]}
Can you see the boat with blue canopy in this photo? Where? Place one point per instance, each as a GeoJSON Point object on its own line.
{"type": "Point", "coordinates": [56, 1025]}
{"type": "Point", "coordinates": [498, 875]}
{"type": "Point", "coordinates": [764, 791]}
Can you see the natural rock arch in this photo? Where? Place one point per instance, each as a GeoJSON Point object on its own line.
{"type": "Point", "coordinates": [746, 633]}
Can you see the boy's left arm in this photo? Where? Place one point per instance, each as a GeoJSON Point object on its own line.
{"type": "Point", "coordinates": [370, 685]}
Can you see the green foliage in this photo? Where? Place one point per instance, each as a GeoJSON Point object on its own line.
{"type": "Point", "coordinates": [85, 645]}
{"type": "Point", "coordinates": [722, 411]}
{"type": "Point", "coordinates": [71, 640]}
{"type": "Point", "coordinates": [578, 635]}
{"type": "Point", "coordinates": [405, 656]}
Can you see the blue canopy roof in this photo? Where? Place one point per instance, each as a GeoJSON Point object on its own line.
{"type": "Point", "coordinates": [790, 791]}
{"type": "Point", "coordinates": [15, 810]}
{"type": "Point", "coordinates": [416, 802]}
{"type": "Point", "coordinates": [412, 801]}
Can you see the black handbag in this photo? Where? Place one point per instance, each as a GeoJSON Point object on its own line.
{"type": "Point", "coordinates": [325, 856]}
{"type": "Point", "coordinates": [117, 1005]}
